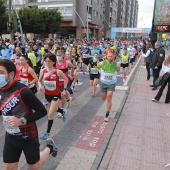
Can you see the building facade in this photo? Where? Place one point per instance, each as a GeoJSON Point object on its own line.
{"type": "Point", "coordinates": [127, 15]}
{"type": "Point", "coordinates": [98, 15]}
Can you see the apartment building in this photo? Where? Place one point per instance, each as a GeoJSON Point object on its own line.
{"type": "Point", "coordinates": [98, 15]}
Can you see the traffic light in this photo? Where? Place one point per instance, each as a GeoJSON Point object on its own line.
{"type": "Point", "coordinates": [10, 24]}
{"type": "Point", "coordinates": [16, 23]}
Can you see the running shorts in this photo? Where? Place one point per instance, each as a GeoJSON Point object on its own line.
{"type": "Point", "coordinates": [104, 88]}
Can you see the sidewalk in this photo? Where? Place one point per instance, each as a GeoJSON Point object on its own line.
{"type": "Point", "coordinates": [141, 140]}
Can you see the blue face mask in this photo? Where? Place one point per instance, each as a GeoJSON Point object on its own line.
{"type": "Point", "coordinates": [3, 81]}
{"type": "Point", "coordinates": [17, 61]}
{"type": "Point", "coordinates": [95, 60]}
{"type": "Point", "coordinates": [59, 58]}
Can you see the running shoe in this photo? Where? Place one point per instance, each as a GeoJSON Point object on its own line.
{"type": "Point", "coordinates": [69, 102]}
{"type": "Point", "coordinates": [45, 102]}
{"type": "Point", "coordinates": [154, 100]}
{"type": "Point", "coordinates": [64, 115]}
{"type": "Point", "coordinates": [92, 95]}
{"type": "Point", "coordinates": [52, 143]}
{"type": "Point", "coordinates": [59, 115]}
{"type": "Point", "coordinates": [83, 74]}
{"type": "Point", "coordinates": [45, 136]}
{"type": "Point", "coordinates": [124, 80]}
{"type": "Point", "coordinates": [106, 119]}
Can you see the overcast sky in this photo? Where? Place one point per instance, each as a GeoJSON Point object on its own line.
{"type": "Point", "coordinates": [145, 13]}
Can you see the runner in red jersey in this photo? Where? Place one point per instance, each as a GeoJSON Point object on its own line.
{"type": "Point", "coordinates": [52, 90]}
{"type": "Point", "coordinates": [18, 66]}
{"type": "Point", "coordinates": [27, 75]}
{"type": "Point", "coordinates": [63, 65]}
{"type": "Point", "coordinates": [20, 110]}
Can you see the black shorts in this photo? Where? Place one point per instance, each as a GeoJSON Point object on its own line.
{"type": "Point", "coordinates": [124, 65]}
{"type": "Point", "coordinates": [131, 60]}
{"type": "Point", "coordinates": [34, 89]}
{"type": "Point", "coordinates": [86, 61]}
{"type": "Point", "coordinates": [13, 149]}
{"type": "Point", "coordinates": [54, 98]}
{"type": "Point", "coordinates": [94, 76]}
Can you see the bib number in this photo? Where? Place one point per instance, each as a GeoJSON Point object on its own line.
{"type": "Point", "coordinates": [108, 77]}
{"type": "Point", "coordinates": [84, 56]}
{"type": "Point", "coordinates": [94, 71]}
{"type": "Point", "coordinates": [125, 61]}
{"type": "Point", "coordinates": [50, 85]}
{"type": "Point", "coordinates": [11, 130]}
{"type": "Point", "coordinates": [69, 73]}
{"type": "Point", "coordinates": [60, 78]}
{"type": "Point", "coordinates": [24, 81]}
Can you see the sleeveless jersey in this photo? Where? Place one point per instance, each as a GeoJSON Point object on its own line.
{"type": "Point", "coordinates": [93, 67]}
{"type": "Point", "coordinates": [25, 77]}
{"type": "Point", "coordinates": [33, 58]}
{"type": "Point", "coordinates": [18, 70]}
{"type": "Point", "coordinates": [108, 73]}
{"type": "Point", "coordinates": [11, 104]}
{"type": "Point", "coordinates": [51, 82]}
{"type": "Point", "coordinates": [64, 69]}
{"type": "Point", "coordinates": [125, 58]}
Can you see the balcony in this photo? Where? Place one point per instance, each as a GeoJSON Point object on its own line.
{"type": "Point", "coordinates": [19, 2]}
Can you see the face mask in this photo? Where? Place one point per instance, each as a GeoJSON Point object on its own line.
{"type": "Point", "coordinates": [101, 46]}
{"type": "Point", "coordinates": [17, 61]}
{"type": "Point", "coordinates": [95, 60]}
{"type": "Point", "coordinates": [46, 50]}
{"type": "Point", "coordinates": [3, 81]}
{"type": "Point", "coordinates": [59, 58]}
{"type": "Point", "coordinates": [37, 50]}
{"type": "Point", "coordinates": [85, 46]}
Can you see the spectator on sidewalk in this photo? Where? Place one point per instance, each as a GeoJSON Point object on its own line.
{"type": "Point", "coordinates": [166, 69]}
{"type": "Point", "coordinates": [156, 62]}
{"type": "Point", "coordinates": [147, 59]}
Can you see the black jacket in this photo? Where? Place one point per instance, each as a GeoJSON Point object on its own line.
{"type": "Point", "coordinates": [157, 58]}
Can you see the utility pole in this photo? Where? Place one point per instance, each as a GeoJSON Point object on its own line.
{"type": "Point", "coordinates": [10, 19]}
{"type": "Point", "coordinates": [87, 30]}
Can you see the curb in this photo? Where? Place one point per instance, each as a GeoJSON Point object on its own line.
{"type": "Point", "coordinates": [119, 117]}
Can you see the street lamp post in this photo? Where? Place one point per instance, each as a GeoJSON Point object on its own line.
{"type": "Point", "coordinates": [81, 21]}
{"type": "Point", "coordinates": [87, 30]}
{"type": "Point", "coordinates": [10, 19]}
{"type": "Point", "coordinates": [20, 26]}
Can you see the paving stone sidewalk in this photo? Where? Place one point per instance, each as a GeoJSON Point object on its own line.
{"type": "Point", "coordinates": [141, 140]}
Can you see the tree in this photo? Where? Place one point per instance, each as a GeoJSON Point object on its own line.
{"type": "Point", "coordinates": [3, 17]}
{"type": "Point", "coordinates": [40, 20]}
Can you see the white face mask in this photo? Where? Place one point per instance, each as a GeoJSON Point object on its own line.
{"type": "Point", "coordinates": [95, 60]}
{"type": "Point", "coordinates": [59, 58]}
{"type": "Point", "coordinates": [3, 81]}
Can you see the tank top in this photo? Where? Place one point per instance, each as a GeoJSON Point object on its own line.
{"type": "Point", "coordinates": [93, 67]}
{"type": "Point", "coordinates": [125, 58]}
{"type": "Point", "coordinates": [33, 58]}
{"type": "Point", "coordinates": [51, 82]}
{"type": "Point", "coordinates": [25, 77]}
{"type": "Point", "coordinates": [64, 69]}
{"type": "Point", "coordinates": [18, 70]}
{"type": "Point", "coordinates": [108, 73]}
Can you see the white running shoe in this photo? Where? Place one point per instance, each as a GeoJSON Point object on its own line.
{"type": "Point", "coordinates": [106, 119]}
{"type": "Point", "coordinates": [124, 80]}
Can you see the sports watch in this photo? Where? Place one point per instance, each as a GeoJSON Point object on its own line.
{"type": "Point", "coordinates": [23, 120]}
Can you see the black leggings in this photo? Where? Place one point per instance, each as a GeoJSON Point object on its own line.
{"type": "Point", "coordinates": [159, 94]}
{"type": "Point", "coordinates": [148, 70]}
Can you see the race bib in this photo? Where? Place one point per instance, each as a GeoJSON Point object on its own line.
{"type": "Point", "coordinates": [60, 78]}
{"type": "Point", "coordinates": [124, 61]}
{"type": "Point", "coordinates": [94, 71]}
{"type": "Point", "coordinates": [50, 85]}
{"type": "Point", "coordinates": [108, 77]}
{"type": "Point", "coordinates": [11, 130]}
{"type": "Point", "coordinates": [84, 56]}
{"type": "Point", "coordinates": [69, 73]}
{"type": "Point", "coordinates": [24, 81]}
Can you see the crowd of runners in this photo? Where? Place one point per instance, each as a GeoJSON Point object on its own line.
{"type": "Point", "coordinates": [53, 67]}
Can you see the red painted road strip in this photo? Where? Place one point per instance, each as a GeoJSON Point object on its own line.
{"type": "Point", "coordinates": [94, 135]}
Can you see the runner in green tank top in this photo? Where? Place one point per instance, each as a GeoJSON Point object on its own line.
{"type": "Point", "coordinates": [108, 79]}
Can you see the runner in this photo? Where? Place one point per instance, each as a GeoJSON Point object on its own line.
{"type": "Point", "coordinates": [124, 63]}
{"type": "Point", "coordinates": [63, 65]}
{"type": "Point", "coordinates": [17, 104]}
{"type": "Point", "coordinates": [74, 77]}
{"type": "Point", "coordinates": [27, 75]}
{"type": "Point", "coordinates": [108, 71]}
{"type": "Point", "coordinates": [94, 73]}
{"type": "Point", "coordinates": [18, 66]}
{"type": "Point", "coordinates": [52, 90]}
